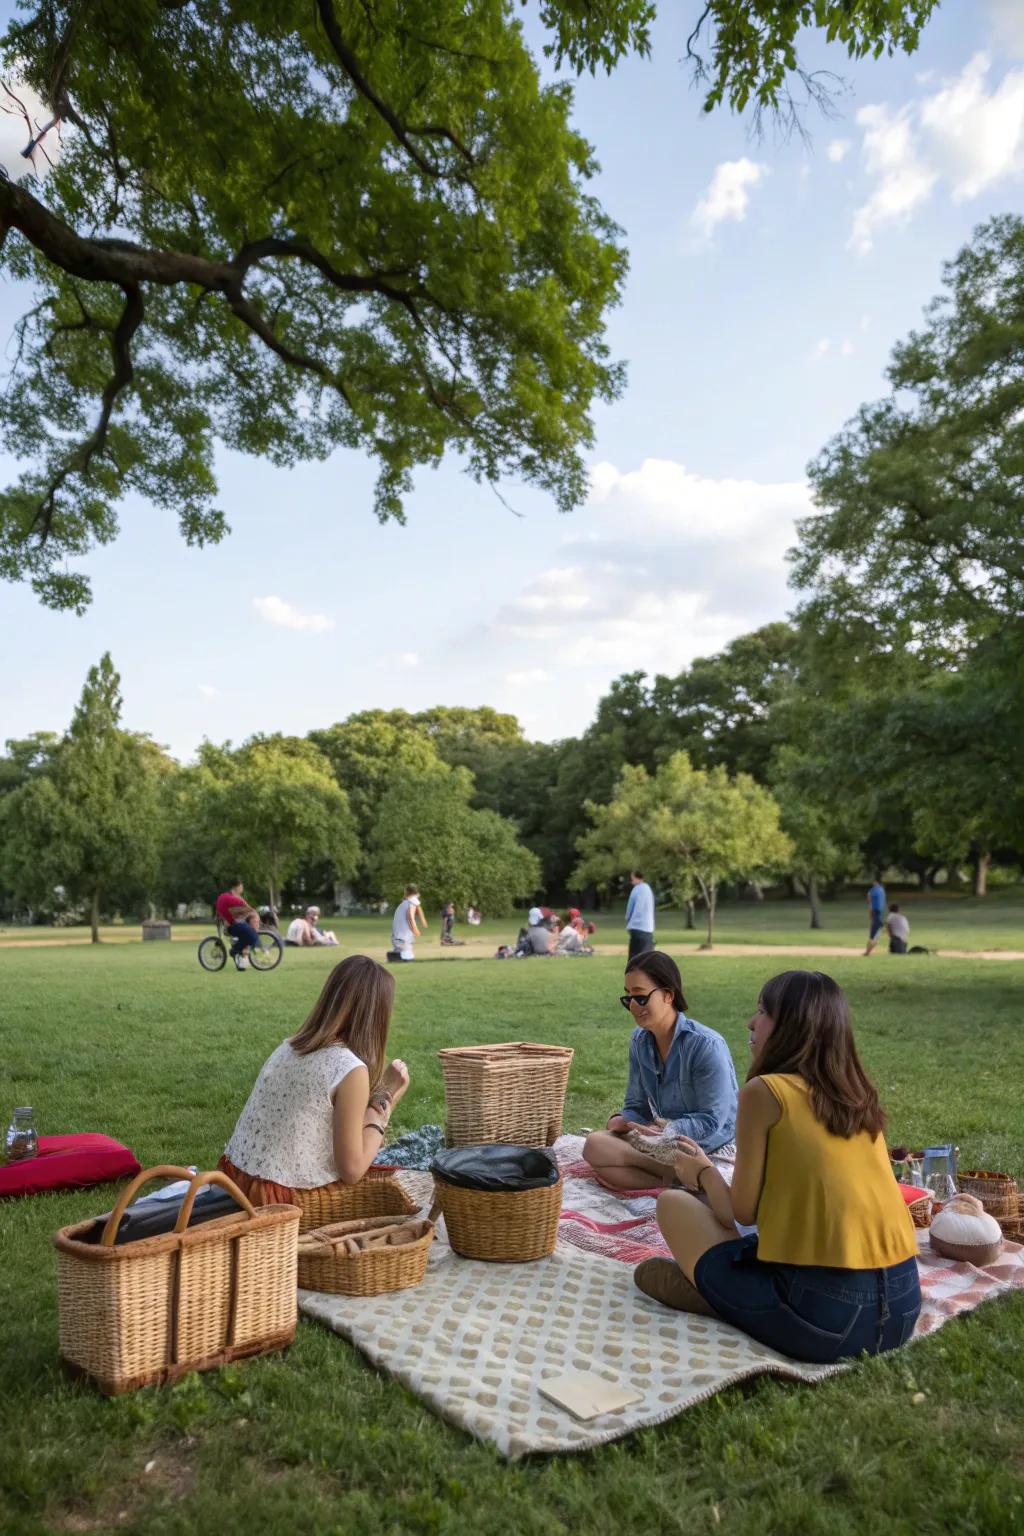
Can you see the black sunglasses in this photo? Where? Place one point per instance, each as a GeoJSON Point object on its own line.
{"type": "Point", "coordinates": [639, 997]}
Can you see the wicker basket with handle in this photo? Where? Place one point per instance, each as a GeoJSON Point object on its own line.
{"type": "Point", "coordinates": [997, 1192]}
{"type": "Point", "coordinates": [511, 1226]}
{"type": "Point", "coordinates": [378, 1193]}
{"type": "Point", "coordinates": [513, 1092]}
{"type": "Point", "coordinates": [150, 1311]}
{"type": "Point", "coordinates": [325, 1265]}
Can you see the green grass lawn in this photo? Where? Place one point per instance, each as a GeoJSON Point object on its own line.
{"type": "Point", "coordinates": [137, 1041]}
{"type": "Point", "coordinates": [939, 920]}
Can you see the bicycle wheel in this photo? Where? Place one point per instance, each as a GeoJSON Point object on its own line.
{"type": "Point", "coordinates": [213, 956]}
{"type": "Point", "coordinates": [267, 953]}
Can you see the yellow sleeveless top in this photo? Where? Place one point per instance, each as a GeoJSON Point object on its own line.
{"type": "Point", "coordinates": [826, 1200]}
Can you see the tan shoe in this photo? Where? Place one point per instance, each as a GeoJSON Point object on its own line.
{"type": "Point", "coordinates": [664, 1281]}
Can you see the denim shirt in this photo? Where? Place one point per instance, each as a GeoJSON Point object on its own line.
{"type": "Point", "coordinates": [640, 908]}
{"type": "Point", "coordinates": [694, 1089]}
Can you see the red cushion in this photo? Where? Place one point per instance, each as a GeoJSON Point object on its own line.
{"type": "Point", "coordinates": [912, 1193]}
{"type": "Point", "coordinates": [69, 1162]}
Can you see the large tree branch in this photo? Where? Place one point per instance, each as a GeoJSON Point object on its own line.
{"type": "Point", "coordinates": [124, 371]}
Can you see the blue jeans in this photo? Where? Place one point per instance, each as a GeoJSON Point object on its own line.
{"type": "Point", "coordinates": [806, 1312]}
{"type": "Point", "coordinates": [244, 935]}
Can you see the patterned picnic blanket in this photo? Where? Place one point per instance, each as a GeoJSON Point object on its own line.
{"type": "Point", "coordinates": [622, 1226]}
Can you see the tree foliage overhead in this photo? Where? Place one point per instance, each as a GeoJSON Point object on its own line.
{"type": "Point", "coordinates": [296, 226]}
{"type": "Point", "coordinates": [293, 227]}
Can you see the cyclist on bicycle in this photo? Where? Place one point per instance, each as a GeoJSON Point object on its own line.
{"type": "Point", "coordinates": [241, 921]}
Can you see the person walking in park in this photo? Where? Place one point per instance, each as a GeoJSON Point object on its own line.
{"type": "Point", "coordinates": [876, 913]}
{"type": "Point", "coordinates": [240, 920]}
{"type": "Point", "coordinates": [405, 926]}
{"type": "Point", "coordinates": [898, 929]}
{"type": "Point", "coordinates": [639, 915]}
{"type": "Point", "coordinates": [681, 1083]}
{"type": "Point", "coordinates": [832, 1270]}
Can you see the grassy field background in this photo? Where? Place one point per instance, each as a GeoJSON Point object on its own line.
{"type": "Point", "coordinates": [137, 1041]}
{"type": "Point", "coordinates": [940, 920]}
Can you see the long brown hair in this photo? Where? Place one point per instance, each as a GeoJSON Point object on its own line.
{"type": "Point", "coordinates": [663, 971]}
{"type": "Point", "coordinates": [353, 1009]}
{"type": "Point", "coordinates": [813, 1037]}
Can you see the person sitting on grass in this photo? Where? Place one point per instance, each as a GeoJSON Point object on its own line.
{"type": "Point", "coordinates": [681, 1081]}
{"type": "Point", "coordinates": [241, 921]}
{"type": "Point", "coordinates": [305, 932]}
{"type": "Point", "coordinates": [321, 1103]}
{"type": "Point", "coordinates": [832, 1270]}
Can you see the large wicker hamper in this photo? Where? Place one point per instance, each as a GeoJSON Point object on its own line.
{"type": "Point", "coordinates": [514, 1092]}
{"type": "Point", "coordinates": [150, 1311]}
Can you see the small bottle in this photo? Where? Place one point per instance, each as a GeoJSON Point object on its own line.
{"type": "Point", "coordinates": [22, 1140]}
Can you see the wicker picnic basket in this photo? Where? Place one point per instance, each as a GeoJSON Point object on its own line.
{"type": "Point", "coordinates": [997, 1192]}
{"type": "Point", "coordinates": [150, 1311]}
{"type": "Point", "coordinates": [378, 1193]}
{"type": "Point", "coordinates": [921, 1210]}
{"type": "Point", "coordinates": [511, 1226]}
{"type": "Point", "coordinates": [505, 1093]}
{"type": "Point", "coordinates": [324, 1265]}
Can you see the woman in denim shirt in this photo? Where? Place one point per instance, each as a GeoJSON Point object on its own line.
{"type": "Point", "coordinates": [681, 1081]}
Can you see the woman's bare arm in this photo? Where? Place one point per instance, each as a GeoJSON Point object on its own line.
{"type": "Point", "coordinates": [357, 1139]}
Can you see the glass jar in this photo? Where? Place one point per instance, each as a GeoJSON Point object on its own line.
{"type": "Point", "coordinates": [22, 1140]}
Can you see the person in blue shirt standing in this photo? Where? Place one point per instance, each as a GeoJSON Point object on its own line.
{"type": "Point", "coordinates": [639, 915]}
{"type": "Point", "coordinates": [876, 912]}
{"type": "Point", "coordinates": [682, 1081]}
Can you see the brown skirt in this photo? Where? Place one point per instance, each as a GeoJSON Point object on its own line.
{"type": "Point", "coordinates": [259, 1191]}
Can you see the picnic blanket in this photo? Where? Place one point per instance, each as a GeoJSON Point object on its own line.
{"type": "Point", "coordinates": [622, 1227]}
{"type": "Point", "coordinates": [475, 1339]}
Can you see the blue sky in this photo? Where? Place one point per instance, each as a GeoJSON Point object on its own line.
{"type": "Point", "coordinates": [768, 283]}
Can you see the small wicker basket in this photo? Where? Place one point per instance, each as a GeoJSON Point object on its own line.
{"type": "Point", "coordinates": [324, 1264]}
{"type": "Point", "coordinates": [378, 1193]}
{"type": "Point", "coordinates": [150, 1311]}
{"type": "Point", "coordinates": [921, 1210]}
{"type": "Point", "coordinates": [510, 1226]}
{"type": "Point", "coordinates": [513, 1092]}
{"type": "Point", "coordinates": [997, 1192]}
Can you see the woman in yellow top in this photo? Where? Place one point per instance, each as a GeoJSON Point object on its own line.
{"type": "Point", "coordinates": [832, 1271]}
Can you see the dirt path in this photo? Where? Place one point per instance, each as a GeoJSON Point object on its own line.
{"type": "Point", "coordinates": [481, 952]}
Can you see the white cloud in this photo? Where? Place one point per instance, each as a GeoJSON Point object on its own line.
{"type": "Point", "coordinates": [675, 567]}
{"type": "Point", "coordinates": [965, 136]}
{"type": "Point", "coordinates": [821, 347]}
{"type": "Point", "coordinates": [977, 135]}
{"type": "Point", "coordinates": [530, 678]}
{"type": "Point", "coordinates": [408, 659]}
{"type": "Point", "coordinates": [847, 348]}
{"type": "Point", "coordinates": [838, 149]}
{"type": "Point", "coordinates": [274, 611]}
{"type": "Point", "coordinates": [904, 180]}
{"type": "Point", "coordinates": [208, 691]}
{"type": "Point", "coordinates": [727, 196]}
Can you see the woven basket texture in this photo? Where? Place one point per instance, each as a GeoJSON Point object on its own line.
{"type": "Point", "coordinates": [921, 1212]}
{"type": "Point", "coordinates": [322, 1267]}
{"type": "Point", "coordinates": [508, 1225]}
{"type": "Point", "coordinates": [150, 1311]}
{"type": "Point", "coordinates": [997, 1192]}
{"type": "Point", "coordinates": [376, 1194]}
{"type": "Point", "coordinates": [505, 1093]}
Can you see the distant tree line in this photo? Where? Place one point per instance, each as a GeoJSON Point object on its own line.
{"type": "Point", "coordinates": [880, 728]}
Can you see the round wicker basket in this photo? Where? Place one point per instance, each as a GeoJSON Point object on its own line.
{"type": "Point", "coordinates": [510, 1226]}
{"type": "Point", "coordinates": [376, 1194]}
{"type": "Point", "coordinates": [324, 1264]}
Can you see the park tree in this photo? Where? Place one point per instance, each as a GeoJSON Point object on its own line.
{"type": "Point", "coordinates": [825, 837]}
{"type": "Point", "coordinates": [259, 812]}
{"type": "Point", "coordinates": [688, 828]}
{"type": "Point", "coordinates": [428, 833]}
{"type": "Point", "coordinates": [91, 823]}
{"type": "Point", "coordinates": [918, 533]}
{"type": "Point", "coordinates": [296, 227]}
{"type": "Point", "coordinates": [366, 750]}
